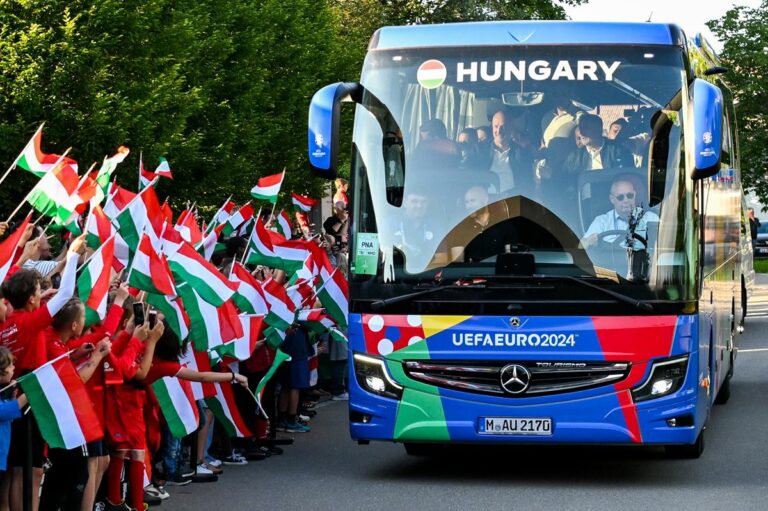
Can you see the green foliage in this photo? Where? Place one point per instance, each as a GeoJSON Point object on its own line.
{"type": "Point", "coordinates": [221, 89]}
{"type": "Point", "coordinates": [744, 32]}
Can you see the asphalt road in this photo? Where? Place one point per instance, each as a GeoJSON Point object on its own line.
{"type": "Point", "coordinates": [324, 469]}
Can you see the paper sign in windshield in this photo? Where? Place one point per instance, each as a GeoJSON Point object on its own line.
{"type": "Point", "coordinates": [366, 253]}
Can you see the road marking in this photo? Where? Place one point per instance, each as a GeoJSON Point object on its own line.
{"type": "Point", "coordinates": [752, 350]}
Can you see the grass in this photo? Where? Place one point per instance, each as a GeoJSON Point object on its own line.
{"type": "Point", "coordinates": [761, 265]}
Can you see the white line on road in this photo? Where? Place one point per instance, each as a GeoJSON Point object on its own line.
{"type": "Point", "coordinates": [751, 350]}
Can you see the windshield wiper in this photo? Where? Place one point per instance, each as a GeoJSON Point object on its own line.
{"type": "Point", "coordinates": [640, 304]}
{"type": "Point", "coordinates": [380, 304]}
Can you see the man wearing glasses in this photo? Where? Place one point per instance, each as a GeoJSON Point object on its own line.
{"type": "Point", "coordinates": [623, 197]}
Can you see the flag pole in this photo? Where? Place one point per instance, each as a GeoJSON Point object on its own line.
{"type": "Point", "coordinates": [13, 165]}
{"type": "Point", "coordinates": [248, 244]}
{"type": "Point", "coordinates": [61, 158]}
{"type": "Point", "coordinates": [208, 228]}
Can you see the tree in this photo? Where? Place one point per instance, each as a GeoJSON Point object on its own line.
{"type": "Point", "coordinates": [744, 32]}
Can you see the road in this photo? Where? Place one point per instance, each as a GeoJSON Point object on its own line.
{"type": "Point", "coordinates": [324, 469]}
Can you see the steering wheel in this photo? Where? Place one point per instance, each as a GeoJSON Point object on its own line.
{"type": "Point", "coordinates": [620, 236]}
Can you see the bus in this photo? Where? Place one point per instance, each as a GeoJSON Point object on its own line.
{"type": "Point", "coordinates": [547, 240]}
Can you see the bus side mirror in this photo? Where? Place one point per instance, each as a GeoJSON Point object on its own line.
{"type": "Point", "coordinates": [323, 124]}
{"type": "Point", "coordinates": [707, 128]}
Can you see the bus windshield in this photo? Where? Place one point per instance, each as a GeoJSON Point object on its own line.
{"type": "Point", "coordinates": [571, 159]}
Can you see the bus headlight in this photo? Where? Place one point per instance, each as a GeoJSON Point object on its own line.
{"type": "Point", "coordinates": [372, 375]}
{"type": "Point", "coordinates": [666, 377]}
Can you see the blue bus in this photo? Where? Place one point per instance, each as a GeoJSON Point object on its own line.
{"type": "Point", "coordinates": [548, 241]}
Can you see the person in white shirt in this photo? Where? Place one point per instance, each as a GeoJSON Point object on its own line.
{"type": "Point", "coordinates": [623, 197]}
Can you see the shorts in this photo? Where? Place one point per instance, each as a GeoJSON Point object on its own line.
{"type": "Point", "coordinates": [17, 455]}
{"type": "Point", "coordinates": [126, 427]}
{"type": "Point", "coordinates": [96, 448]}
{"type": "Point", "coordinates": [295, 374]}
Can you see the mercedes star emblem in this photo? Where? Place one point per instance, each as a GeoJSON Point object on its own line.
{"type": "Point", "coordinates": [515, 378]}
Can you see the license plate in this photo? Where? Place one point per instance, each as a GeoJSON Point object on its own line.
{"type": "Point", "coordinates": [541, 426]}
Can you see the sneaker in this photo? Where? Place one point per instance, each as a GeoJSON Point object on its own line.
{"type": "Point", "coordinates": [303, 418]}
{"type": "Point", "coordinates": [214, 470]}
{"type": "Point", "coordinates": [344, 396]}
{"type": "Point", "coordinates": [297, 428]}
{"type": "Point", "coordinates": [203, 470]}
{"type": "Point", "coordinates": [187, 472]}
{"type": "Point", "coordinates": [151, 500]}
{"type": "Point", "coordinates": [235, 459]}
{"type": "Point", "coordinates": [308, 413]}
{"type": "Point", "coordinates": [99, 506]}
{"type": "Point", "coordinates": [214, 462]}
{"type": "Point", "coordinates": [178, 480]}
{"type": "Point", "coordinates": [157, 491]}
{"type": "Point", "coordinates": [108, 506]}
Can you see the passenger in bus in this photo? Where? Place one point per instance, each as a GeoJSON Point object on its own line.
{"type": "Point", "coordinates": [488, 229]}
{"type": "Point", "coordinates": [624, 199]}
{"type": "Point", "coordinates": [562, 124]}
{"type": "Point", "coordinates": [469, 149]}
{"type": "Point", "coordinates": [511, 154]}
{"type": "Point", "coordinates": [598, 152]}
{"type": "Point", "coordinates": [435, 150]}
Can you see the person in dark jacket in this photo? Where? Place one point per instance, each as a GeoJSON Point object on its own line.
{"type": "Point", "coordinates": [598, 152]}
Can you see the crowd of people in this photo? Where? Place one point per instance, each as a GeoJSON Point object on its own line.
{"type": "Point", "coordinates": [42, 319]}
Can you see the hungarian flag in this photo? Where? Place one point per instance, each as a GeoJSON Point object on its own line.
{"type": "Point", "coordinates": [167, 211]}
{"type": "Point", "coordinates": [242, 347]}
{"type": "Point", "coordinates": [249, 297]}
{"type": "Point", "coordinates": [141, 215]}
{"type": "Point", "coordinates": [222, 215]}
{"type": "Point", "coordinates": [146, 176]}
{"type": "Point", "coordinates": [117, 200]}
{"type": "Point", "coordinates": [189, 266]}
{"type": "Point", "coordinates": [173, 310]}
{"type": "Point", "coordinates": [187, 226]}
{"type": "Point", "coordinates": [274, 337]}
{"type": "Point", "coordinates": [259, 249]}
{"type": "Point", "coordinates": [303, 203]}
{"type": "Point", "coordinates": [281, 309]}
{"type": "Point", "coordinates": [315, 320]}
{"type": "Point", "coordinates": [301, 293]}
{"type": "Point", "coordinates": [337, 335]}
{"type": "Point", "coordinates": [149, 270]}
{"type": "Point", "coordinates": [94, 281]}
{"type": "Point", "coordinates": [241, 216]}
{"type": "Point", "coordinates": [51, 196]}
{"type": "Point", "coordinates": [9, 246]}
{"type": "Point", "coordinates": [334, 295]}
{"type": "Point", "coordinates": [310, 269]}
{"type": "Point", "coordinates": [177, 404]}
{"type": "Point", "coordinates": [290, 254]}
{"type": "Point", "coordinates": [225, 409]}
{"type": "Point", "coordinates": [268, 187]}
{"type": "Point", "coordinates": [283, 224]}
{"type": "Point", "coordinates": [34, 160]}
{"type": "Point", "coordinates": [200, 362]}
{"type": "Point", "coordinates": [61, 405]}
{"type": "Point", "coordinates": [280, 357]}
{"type": "Point", "coordinates": [163, 169]}
{"type": "Point", "coordinates": [104, 174]}
{"type": "Point", "coordinates": [208, 246]}
{"type": "Point", "coordinates": [86, 190]}
{"type": "Point", "coordinates": [99, 229]}
{"type": "Point", "coordinates": [209, 325]}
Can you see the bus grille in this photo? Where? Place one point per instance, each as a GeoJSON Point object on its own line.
{"type": "Point", "coordinates": [550, 377]}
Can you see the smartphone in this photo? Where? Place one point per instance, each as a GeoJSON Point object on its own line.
{"type": "Point", "coordinates": [138, 313]}
{"type": "Point", "coordinates": [152, 318]}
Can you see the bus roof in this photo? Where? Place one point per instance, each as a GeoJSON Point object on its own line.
{"type": "Point", "coordinates": [496, 33]}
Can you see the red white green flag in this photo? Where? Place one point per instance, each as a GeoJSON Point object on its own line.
{"type": "Point", "coordinates": [99, 229]}
{"type": "Point", "coordinates": [249, 296]}
{"type": "Point", "coordinates": [163, 169]}
{"type": "Point", "coordinates": [281, 308]}
{"type": "Point", "coordinates": [198, 361]}
{"type": "Point", "coordinates": [9, 246]}
{"type": "Point", "coordinates": [34, 160]}
{"type": "Point", "coordinates": [283, 224]}
{"type": "Point", "coordinates": [174, 312]}
{"type": "Point", "coordinates": [118, 199]}
{"type": "Point", "coordinates": [61, 405]}
{"type": "Point", "coordinates": [242, 347]}
{"type": "Point", "coordinates": [187, 226]}
{"type": "Point", "coordinates": [280, 357]}
{"type": "Point", "coordinates": [267, 188]}
{"type": "Point", "coordinates": [242, 215]}
{"type": "Point", "coordinates": [303, 203]}
{"type": "Point", "coordinates": [222, 215]}
{"type": "Point", "coordinates": [207, 247]}
{"type": "Point", "coordinates": [189, 266]}
{"type": "Point", "coordinates": [149, 270]}
{"type": "Point", "coordinates": [104, 174]}
{"type": "Point", "coordinates": [51, 196]}
{"type": "Point", "coordinates": [334, 295]}
{"type": "Point", "coordinates": [225, 409]}
{"type": "Point", "coordinates": [209, 325]}
{"type": "Point", "coordinates": [301, 293]}
{"type": "Point", "coordinates": [142, 214]}
{"type": "Point", "coordinates": [315, 320]}
{"type": "Point", "coordinates": [94, 281]}
{"type": "Point", "coordinates": [259, 249]}
{"type": "Point", "coordinates": [177, 404]}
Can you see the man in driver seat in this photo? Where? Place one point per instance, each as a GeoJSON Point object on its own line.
{"type": "Point", "coordinates": [624, 199]}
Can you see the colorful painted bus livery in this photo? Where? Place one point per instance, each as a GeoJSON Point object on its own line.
{"type": "Point", "coordinates": [557, 283]}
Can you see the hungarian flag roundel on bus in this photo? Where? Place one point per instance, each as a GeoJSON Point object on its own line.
{"type": "Point", "coordinates": [431, 74]}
